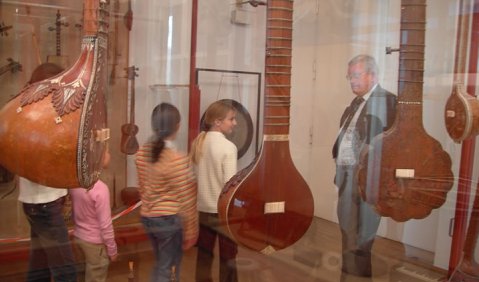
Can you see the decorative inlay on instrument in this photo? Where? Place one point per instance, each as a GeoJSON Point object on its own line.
{"type": "Point", "coordinates": [54, 131]}
{"type": "Point", "coordinates": [405, 173]}
{"type": "Point", "coordinates": [268, 206]}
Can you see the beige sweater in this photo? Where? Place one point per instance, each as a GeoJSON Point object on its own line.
{"type": "Point", "coordinates": [217, 164]}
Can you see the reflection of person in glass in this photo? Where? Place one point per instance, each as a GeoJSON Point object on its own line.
{"type": "Point", "coordinates": [371, 112]}
{"type": "Point", "coordinates": [51, 254]}
{"type": "Point", "coordinates": [168, 194]}
{"type": "Point", "coordinates": [215, 158]}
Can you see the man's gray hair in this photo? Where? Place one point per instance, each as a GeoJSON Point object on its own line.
{"type": "Point", "coordinates": [368, 61]}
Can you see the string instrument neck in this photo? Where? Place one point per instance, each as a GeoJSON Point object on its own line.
{"type": "Point", "coordinates": [132, 73]}
{"type": "Point", "coordinates": [411, 60]}
{"type": "Point", "coordinates": [95, 18]}
{"type": "Point", "coordinates": [279, 36]}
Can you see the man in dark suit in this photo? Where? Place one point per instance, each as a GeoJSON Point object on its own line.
{"type": "Point", "coordinates": [371, 112]}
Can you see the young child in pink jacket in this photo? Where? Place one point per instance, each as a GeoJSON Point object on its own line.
{"type": "Point", "coordinates": [93, 229]}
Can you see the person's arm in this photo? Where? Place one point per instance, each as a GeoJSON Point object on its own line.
{"type": "Point", "coordinates": [103, 209]}
{"type": "Point", "coordinates": [229, 164]}
{"type": "Point", "coordinates": [185, 185]}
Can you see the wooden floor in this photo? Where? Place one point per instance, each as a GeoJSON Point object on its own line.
{"type": "Point", "coordinates": [316, 257]}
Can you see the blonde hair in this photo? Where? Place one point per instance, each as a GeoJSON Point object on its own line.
{"type": "Point", "coordinates": [216, 111]}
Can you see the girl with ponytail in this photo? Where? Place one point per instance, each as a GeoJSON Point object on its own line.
{"type": "Point", "coordinates": [167, 189]}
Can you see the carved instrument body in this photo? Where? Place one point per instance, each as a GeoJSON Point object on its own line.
{"type": "Point", "coordinates": [54, 131]}
{"type": "Point", "coordinates": [268, 205]}
{"type": "Point", "coordinates": [405, 173]}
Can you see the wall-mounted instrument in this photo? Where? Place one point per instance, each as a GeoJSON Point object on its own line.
{"type": "Point", "coordinates": [4, 28]}
{"type": "Point", "coordinates": [468, 268]}
{"type": "Point", "coordinates": [58, 58]}
{"type": "Point", "coordinates": [12, 66]}
{"type": "Point", "coordinates": [268, 205]}
{"type": "Point", "coordinates": [405, 173]}
{"type": "Point", "coordinates": [461, 114]}
{"type": "Point", "coordinates": [114, 34]}
{"type": "Point", "coordinates": [129, 143]}
{"type": "Point", "coordinates": [54, 131]}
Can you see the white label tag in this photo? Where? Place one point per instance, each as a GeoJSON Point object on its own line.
{"type": "Point", "coordinates": [404, 173]}
{"type": "Point", "coordinates": [274, 207]}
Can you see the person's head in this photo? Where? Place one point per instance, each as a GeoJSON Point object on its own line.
{"type": "Point", "coordinates": [220, 116]}
{"type": "Point", "coordinates": [362, 74]}
{"type": "Point", "coordinates": [165, 122]}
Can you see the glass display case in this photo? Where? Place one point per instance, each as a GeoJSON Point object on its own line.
{"type": "Point", "coordinates": [285, 66]}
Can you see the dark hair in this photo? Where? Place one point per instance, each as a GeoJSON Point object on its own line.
{"type": "Point", "coordinates": [165, 120]}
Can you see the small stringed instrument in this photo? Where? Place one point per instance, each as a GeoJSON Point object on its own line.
{"type": "Point", "coordinates": [461, 114]}
{"type": "Point", "coordinates": [12, 67]}
{"type": "Point", "coordinates": [405, 173]}
{"type": "Point", "coordinates": [129, 143]}
{"type": "Point", "coordinates": [4, 28]}
{"type": "Point", "coordinates": [468, 268]}
{"type": "Point", "coordinates": [58, 59]}
{"type": "Point", "coordinates": [268, 205]}
{"type": "Point", "coordinates": [54, 131]}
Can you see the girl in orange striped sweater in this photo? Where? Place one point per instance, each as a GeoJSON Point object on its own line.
{"type": "Point", "coordinates": [168, 194]}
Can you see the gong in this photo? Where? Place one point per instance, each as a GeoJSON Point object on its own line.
{"type": "Point", "coordinates": [243, 133]}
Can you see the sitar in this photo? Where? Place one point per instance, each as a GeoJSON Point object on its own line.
{"type": "Point", "coordinates": [54, 131]}
{"type": "Point", "coordinates": [129, 143]}
{"type": "Point", "coordinates": [58, 58]}
{"type": "Point", "coordinates": [468, 268]}
{"type": "Point", "coordinates": [268, 206]}
{"type": "Point", "coordinates": [405, 173]}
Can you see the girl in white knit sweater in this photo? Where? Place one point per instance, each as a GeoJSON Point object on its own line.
{"type": "Point", "coordinates": [215, 158]}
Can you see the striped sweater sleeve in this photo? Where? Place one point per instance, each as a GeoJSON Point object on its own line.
{"type": "Point", "coordinates": [187, 193]}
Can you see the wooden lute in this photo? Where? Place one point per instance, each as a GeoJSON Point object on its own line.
{"type": "Point", "coordinates": [268, 205]}
{"type": "Point", "coordinates": [129, 143]}
{"type": "Point", "coordinates": [405, 173]}
{"type": "Point", "coordinates": [461, 114]}
{"type": "Point", "coordinates": [58, 58]}
{"type": "Point", "coordinates": [54, 131]}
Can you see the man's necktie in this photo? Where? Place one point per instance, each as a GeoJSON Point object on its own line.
{"type": "Point", "coordinates": [351, 110]}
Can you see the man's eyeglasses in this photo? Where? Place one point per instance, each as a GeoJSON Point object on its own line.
{"type": "Point", "coordinates": [355, 75]}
